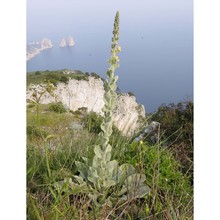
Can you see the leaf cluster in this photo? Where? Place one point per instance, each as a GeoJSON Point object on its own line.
{"type": "Point", "coordinates": [57, 107]}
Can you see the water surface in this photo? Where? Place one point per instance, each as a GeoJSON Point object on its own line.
{"type": "Point", "coordinates": [156, 36]}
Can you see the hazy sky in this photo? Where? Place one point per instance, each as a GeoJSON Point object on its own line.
{"type": "Point", "coordinates": [50, 15]}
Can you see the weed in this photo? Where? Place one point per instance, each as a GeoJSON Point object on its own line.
{"type": "Point", "coordinates": [57, 107]}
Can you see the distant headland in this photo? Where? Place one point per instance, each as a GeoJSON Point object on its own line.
{"type": "Point", "coordinates": [35, 47]}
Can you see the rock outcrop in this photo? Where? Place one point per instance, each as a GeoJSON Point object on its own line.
{"type": "Point", "coordinates": [62, 43]}
{"type": "Point", "coordinates": [35, 48]}
{"type": "Point", "coordinates": [90, 94]}
{"type": "Point", "coordinates": [69, 42]}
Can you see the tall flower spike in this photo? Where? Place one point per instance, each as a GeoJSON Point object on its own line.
{"type": "Point", "coordinates": [103, 179]}
{"type": "Point", "coordinates": [110, 87]}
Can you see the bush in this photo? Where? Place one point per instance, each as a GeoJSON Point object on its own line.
{"type": "Point", "coordinates": [83, 110]}
{"type": "Point", "coordinates": [163, 174]}
{"type": "Point", "coordinates": [64, 79]}
{"type": "Point", "coordinates": [37, 73]}
{"type": "Point", "coordinates": [53, 78]}
{"type": "Point", "coordinates": [80, 77]}
{"type": "Point", "coordinates": [92, 122]}
{"type": "Point", "coordinates": [172, 117]}
{"type": "Point", "coordinates": [177, 129]}
{"type": "Point", "coordinates": [131, 94]}
{"type": "Point", "coordinates": [57, 107]}
{"type": "Point", "coordinates": [95, 75]}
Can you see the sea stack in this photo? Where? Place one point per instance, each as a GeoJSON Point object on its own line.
{"type": "Point", "coordinates": [62, 43]}
{"type": "Point", "coordinates": [70, 42]}
{"type": "Point", "coordinates": [46, 44]}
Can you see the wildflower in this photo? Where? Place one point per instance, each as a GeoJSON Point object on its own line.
{"type": "Point", "coordinates": [116, 59]}
{"type": "Point", "coordinates": [141, 142]}
{"type": "Point", "coordinates": [119, 49]}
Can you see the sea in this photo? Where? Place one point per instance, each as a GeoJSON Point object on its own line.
{"type": "Point", "coordinates": [156, 37]}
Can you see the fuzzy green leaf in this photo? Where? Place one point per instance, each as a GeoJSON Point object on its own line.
{"type": "Point", "coordinates": [82, 168]}
{"type": "Point", "coordinates": [98, 152]}
{"type": "Point", "coordinates": [124, 171]}
{"type": "Point", "coordinates": [109, 183]}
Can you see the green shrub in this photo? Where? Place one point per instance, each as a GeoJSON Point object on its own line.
{"type": "Point", "coordinates": [83, 111]}
{"type": "Point", "coordinates": [176, 122]}
{"type": "Point", "coordinates": [175, 116]}
{"type": "Point", "coordinates": [131, 94]}
{"type": "Point", "coordinates": [170, 176]}
{"type": "Point", "coordinates": [76, 113]}
{"type": "Point", "coordinates": [56, 77]}
{"type": "Point", "coordinates": [92, 122]}
{"type": "Point", "coordinates": [57, 107]}
{"type": "Point", "coordinates": [80, 77]}
{"type": "Point", "coordinates": [163, 174]}
{"type": "Point", "coordinates": [53, 78]}
{"type": "Point", "coordinates": [95, 75]}
{"type": "Point", "coordinates": [64, 79]}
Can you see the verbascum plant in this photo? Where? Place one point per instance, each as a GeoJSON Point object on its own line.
{"type": "Point", "coordinates": [101, 178]}
{"type": "Point", "coordinates": [110, 87]}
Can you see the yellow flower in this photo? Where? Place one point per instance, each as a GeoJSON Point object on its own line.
{"type": "Point", "coordinates": [116, 59]}
{"type": "Point", "coordinates": [119, 49]}
{"type": "Point", "coordinates": [141, 142]}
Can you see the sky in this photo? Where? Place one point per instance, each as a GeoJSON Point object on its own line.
{"type": "Point", "coordinates": [50, 15]}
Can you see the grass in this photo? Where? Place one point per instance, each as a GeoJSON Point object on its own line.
{"type": "Point", "coordinates": [52, 159]}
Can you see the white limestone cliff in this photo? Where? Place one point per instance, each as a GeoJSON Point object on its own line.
{"type": "Point", "coordinates": [90, 94]}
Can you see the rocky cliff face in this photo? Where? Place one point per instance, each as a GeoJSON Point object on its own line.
{"type": "Point", "coordinates": [90, 94]}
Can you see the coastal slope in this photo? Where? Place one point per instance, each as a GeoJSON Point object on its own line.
{"type": "Point", "coordinates": [89, 94]}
